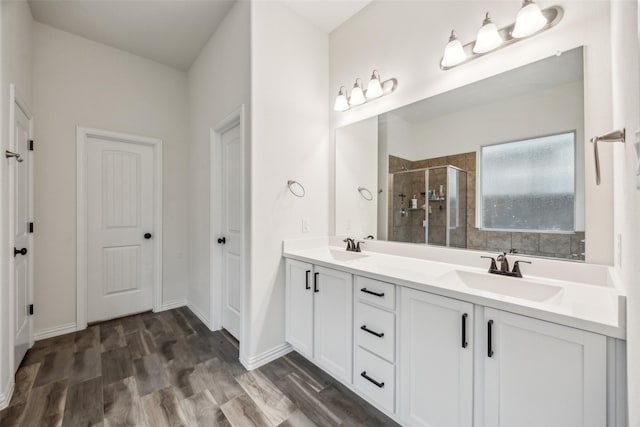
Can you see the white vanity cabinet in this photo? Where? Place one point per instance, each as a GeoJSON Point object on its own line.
{"type": "Point", "coordinates": [435, 360]}
{"type": "Point", "coordinates": [319, 313]}
{"type": "Point", "coordinates": [538, 373]}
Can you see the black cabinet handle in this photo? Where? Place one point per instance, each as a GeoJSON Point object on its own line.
{"type": "Point", "coordinates": [378, 334]}
{"type": "Point", "coordinates": [368, 378]}
{"type": "Point", "coordinates": [367, 291]}
{"type": "Point", "coordinates": [17, 251]}
{"type": "Point", "coordinates": [315, 282]}
{"type": "Point", "coordinates": [464, 330]}
{"type": "Point", "coordinates": [489, 343]}
{"type": "Point", "coordinates": [307, 286]}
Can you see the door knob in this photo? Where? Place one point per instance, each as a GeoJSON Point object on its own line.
{"type": "Point", "coordinates": [17, 251]}
{"type": "Point", "coordinates": [222, 240]}
{"type": "Point", "coordinates": [147, 236]}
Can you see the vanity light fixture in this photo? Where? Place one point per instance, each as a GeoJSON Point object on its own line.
{"type": "Point", "coordinates": [530, 20]}
{"type": "Point", "coordinates": [357, 94]}
{"type": "Point", "coordinates": [488, 37]}
{"type": "Point", "coordinates": [341, 104]}
{"type": "Point", "coordinates": [375, 89]}
{"type": "Point", "coordinates": [453, 52]}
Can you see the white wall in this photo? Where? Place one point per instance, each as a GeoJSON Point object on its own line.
{"type": "Point", "coordinates": [81, 82]}
{"type": "Point", "coordinates": [625, 44]}
{"type": "Point", "coordinates": [357, 166]}
{"type": "Point", "coordinates": [405, 39]}
{"type": "Point", "coordinates": [16, 58]}
{"type": "Point", "coordinates": [219, 82]}
{"type": "Point", "coordinates": [290, 119]}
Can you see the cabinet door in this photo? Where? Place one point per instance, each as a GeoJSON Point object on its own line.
{"type": "Point", "coordinates": [435, 360]}
{"type": "Point", "coordinates": [538, 373]}
{"type": "Point", "coordinates": [333, 312]}
{"type": "Point", "coordinates": [299, 306]}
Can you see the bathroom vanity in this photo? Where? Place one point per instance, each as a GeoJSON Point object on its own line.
{"type": "Point", "coordinates": [434, 343]}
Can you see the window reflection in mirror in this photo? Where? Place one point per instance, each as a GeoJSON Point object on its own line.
{"type": "Point", "coordinates": [495, 165]}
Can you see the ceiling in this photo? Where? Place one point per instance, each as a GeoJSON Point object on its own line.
{"type": "Point", "coordinates": [172, 32]}
{"type": "Point", "coordinates": [327, 15]}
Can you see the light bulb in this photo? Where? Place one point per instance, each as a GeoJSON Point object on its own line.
{"type": "Point", "coordinates": [530, 20]}
{"type": "Point", "coordinates": [357, 95]}
{"type": "Point", "coordinates": [341, 103]}
{"type": "Point", "coordinates": [488, 37]}
{"type": "Point", "coordinates": [374, 88]}
{"type": "Point", "coordinates": [453, 52]}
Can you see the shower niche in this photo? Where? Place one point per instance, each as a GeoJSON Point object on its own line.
{"type": "Point", "coordinates": [429, 205]}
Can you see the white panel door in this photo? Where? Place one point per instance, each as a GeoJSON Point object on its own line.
{"type": "Point", "coordinates": [21, 250]}
{"type": "Point", "coordinates": [333, 322]}
{"type": "Point", "coordinates": [120, 245]}
{"type": "Point", "coordinates": [543, 374]}
{"type": "Point", "coordinates": [232, 229]}
{"type": "Point", "coordinates": [435, 360]}
{"type": "Point", "coordinates": [299, 306]}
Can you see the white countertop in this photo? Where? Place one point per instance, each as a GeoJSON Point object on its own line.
{"type": "Point", "coordinates": [598, 308]}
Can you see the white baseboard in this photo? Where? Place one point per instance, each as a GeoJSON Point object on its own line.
{"type": "Point", "coordinates": [262, 359]}
{"type": "Point", "coordinates": [6, 394]}
{"type": "Point", "coordinates": [199, 314]}
{"type": "Point", "coordinates": [170, 305]}
{"type": "Point", "coordinates": [55, 331]}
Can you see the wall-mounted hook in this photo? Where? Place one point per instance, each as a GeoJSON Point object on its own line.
{"type": "Point", "coordinates": [9, 154]}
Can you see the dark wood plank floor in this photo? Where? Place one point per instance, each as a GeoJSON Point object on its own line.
{"type": "Point", "coordinates": [168, 369]}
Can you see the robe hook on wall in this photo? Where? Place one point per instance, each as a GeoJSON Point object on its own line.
{"type": "Point", "coordinates": [615, 136]}
{"type": "Point", "coordinates": [9, 154]}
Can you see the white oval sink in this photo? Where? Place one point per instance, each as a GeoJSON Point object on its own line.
{"type": "Point", "coordinates": [503, 285]}
{"type": "Point", "coordinates": [346, 256]}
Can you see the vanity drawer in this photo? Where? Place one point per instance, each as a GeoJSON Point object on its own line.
{"type": "Point", "coordinates": [375, 330]}
{"type": "Point", "coordinates": [376, 292]}
{"type": "Point", "coordinates": [375, 378]}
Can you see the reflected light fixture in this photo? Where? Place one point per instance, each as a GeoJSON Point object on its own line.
{"type": "Point", "coordinates": [374, 88]}
{"type": "Point", "coordinates": [488, 37]}
{"type": "Point", "coordinates": [529, 21]}
{"type": "Point", "coordinates": [453, 52]}
{"type": "Point", "coordinates": [341, 104]}
{"type": "Point", "coordinates": [357, 94]}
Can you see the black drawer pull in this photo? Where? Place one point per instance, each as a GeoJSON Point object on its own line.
{"type": "Point", "coordinates": [315, 282]}
{"type": "Point", "coordinates": [489, 343]}
{"type": "Point", "coordinates": [368, 378]}
{"type": "Point", "coordinates": [307, 286]}
{"type": "Point", "coordinates": [367, 291]}
{"type": "Point", "coordinates": [378, 334]}
{"type": "Point", "coordinates": [464, 330]}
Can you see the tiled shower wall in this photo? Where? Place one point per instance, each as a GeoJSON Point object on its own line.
{"type": "Point", "coordinates": [568, 246]}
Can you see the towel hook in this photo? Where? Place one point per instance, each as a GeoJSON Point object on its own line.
{"type": "Point", "coordinates": [301, 191]}
{"type": "Point", "coordinates": [615, 136]}
{"type": "Point", "coordinates": [365, 193]}
{"type": "Point", "coordinates": [9, 154]}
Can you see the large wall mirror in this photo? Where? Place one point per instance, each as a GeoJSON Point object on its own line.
{"type": "Point", "coordinates": [495, 165]}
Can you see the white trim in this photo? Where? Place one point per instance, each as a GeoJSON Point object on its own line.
{"type": "Point", "coordinates": [170, 305]}
{"type": "Point", "coordinates": [215, 174]}
{"type": "Point", "coordinates": [199, 314]}
{"type": "Point", "coordinates": [55, 331]}
{"type": "Point", "coordinates": [16, 100]}
{"type": "Point", "coordinates": [82, 133]}
{"type": "Point", "coordinates": [261, 359]}
{"type": "Point", "coordinates": [7, 393]}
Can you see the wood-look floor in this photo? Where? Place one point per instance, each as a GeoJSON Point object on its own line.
{"type": "Point", "coordinates": [168, 369]}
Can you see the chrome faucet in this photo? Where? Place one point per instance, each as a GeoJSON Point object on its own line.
{"type": "Point", "coordinates": [504, 265]}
